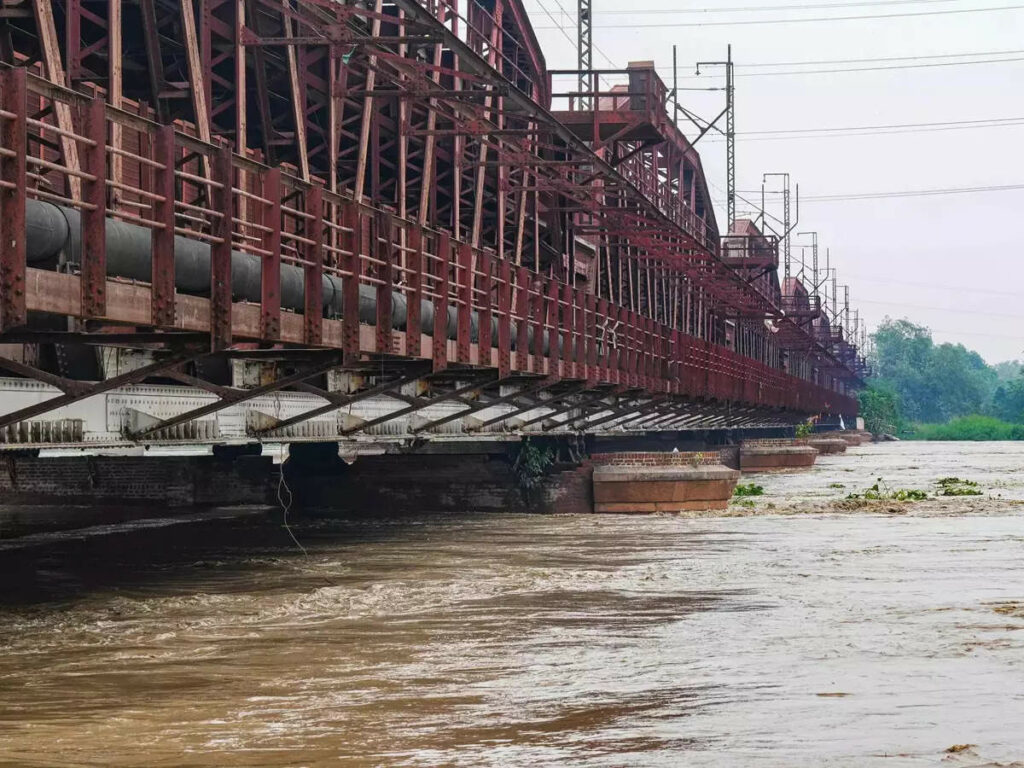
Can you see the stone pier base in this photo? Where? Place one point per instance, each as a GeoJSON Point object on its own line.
{"type": "Point", "coordinates": [824, 445]}
{"type": "Point", "coordinates": [775, 455]}
{"type": "Point", "coordinates": [661, 482]}
{"type": "Point", "coordinates": [855, 437]}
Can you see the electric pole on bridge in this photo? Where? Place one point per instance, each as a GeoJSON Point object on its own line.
{"type": "Point", "coordinates": [584, 49]}
{"type": "Point", "coordinates": [787, 225]}
{"type": "Point", "coordinates": [846, 312]}
{"type": "Point", "coordinates": [730, 131]}
{"type": "Point", "coordinates": [814, 259]}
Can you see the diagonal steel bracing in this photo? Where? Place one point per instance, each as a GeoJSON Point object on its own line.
{"type": "Point", "coordinates": [76, 394]}
{"type": "Point", "coordinates": [336, 401]}
{"type": "Point", "coordinates": [566, 406]}
{"type": "Point", "coordinates": [618, 413]}
{"type": "Point", "coordinates": [475, 407]}
{"type": "Point", "coordinates": [235, 396]}
{"type": "Point", "coordinates": [422, 403]}
{"type": "Point", "coordinates": [551, 401]}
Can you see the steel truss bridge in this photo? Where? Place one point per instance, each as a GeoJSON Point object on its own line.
{"type": "Point", "coordinates": [238, 220]}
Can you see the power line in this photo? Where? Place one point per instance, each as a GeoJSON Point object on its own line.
{"type": "Point", "coordinates": [985, 334]}
{"type": "Point", "coordinates": [933, 286]}
{"type": "Point", "coordinates": [878, 130]}
{"type": "Point", "coordinates": [885, 126]}
{"type": "Point", "coordinates": [947, 309]}
{"type": "Point", "coordinates": [557, 26]}
{"type": "Point", "coordinates": [764, 9]}
{"type": "Point", "coordinates": [930, 65]}
{"type": "Point", "coordinates": [804, 20]}
{"type": "Point", "coordinates": [911, 193]}
{"type": "Point", "coordinates": [877, 58]}
{"type": "Point", "coordinates": [1014, 54]}
{"type": "Point", "coordinates": [565, 34]}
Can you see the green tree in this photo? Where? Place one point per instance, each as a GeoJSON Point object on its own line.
{"type": "Point", "coordinates": [880, 408]}
{"type": "Point", "coordinates": [933, 383]}
{"type": "Point", "coordinates": [1008, 400]}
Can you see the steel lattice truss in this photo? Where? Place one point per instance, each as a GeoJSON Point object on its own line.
{"type": "Point", "coordinates": [404, 148]}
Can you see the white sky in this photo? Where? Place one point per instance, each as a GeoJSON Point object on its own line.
{"type": "Point", "coordinates": [951, 262]}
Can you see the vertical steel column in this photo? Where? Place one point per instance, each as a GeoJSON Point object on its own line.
{"type": "Point", "coordinates": [523, 311]}
{"type": "Point", "coordinates": [485, 313]}
{"type": "Point", "coordinates": [600, 355]}
{"type": "Point", "coordinates": [580, 325]}
{"type": "Point", "coordinates": [382, 240]}
{"type": "Point", "coordinates": [270, 275]}
{"type": "Point", "coordinates": [94, 211]}
{"type": "Point", "coordinates": [443, 263]}
{"type": "Point", "coordinates": [162, 247]}
{"type": "Point", "coordinates": [13, 311]}
{"type": "Point", "coordinates": [413, 311]}
{"type": "Point", "coordinates": [537, 323]}
{"type": "Point", "coordinates": [568, 350]}
{"type": "Point", "coordinates": [351, 244]}
{"type": "Point", "coordinates": [504, 318]}
{"type": "Point", "coordinates": [223, 198]}
{"type": "Point", "coordinates": [675, 363]}
{"type": "Point", "coordinates": [313, 270]}
{"type": "Point", "coordinates": [464, 282]}
{"type": "Point", "coordinates": [554, 332]}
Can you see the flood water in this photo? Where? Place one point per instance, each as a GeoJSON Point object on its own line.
{"type": "Point", "coordinates": [880, 636]}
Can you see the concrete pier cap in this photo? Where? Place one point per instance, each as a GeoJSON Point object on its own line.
{"type": "Point", "coordinates": [775, 455]}
{"type": "Point", "coordinates": [824, 444]}
{"type": "Point", "coordinates": [855, 436]}
{"type": "Point", "coordinates": [662, 482]}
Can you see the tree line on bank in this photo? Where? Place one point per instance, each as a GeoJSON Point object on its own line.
{"type": "Point", "coordinates": [924, 390]}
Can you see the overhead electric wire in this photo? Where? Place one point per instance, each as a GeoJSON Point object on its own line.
{"type": "Point", "coordinates": [993, 120]}
{"type": "Point", "coordinates": [932, 286]}
{"type": "Point", "coordinates": [910, 193]}
{"type": "Point", "coordinates": [767, 8]}
{"type": "Point", "coordinates": [930, 65]}
{"type": "Point", "coordinates": [565, 34]}
{"type": "Point", "coordinates": [854, 131]}
{"type": "Point", "coordinates": [1013, 56]}
{"type": "Point", "coordinates": [951, 310]}
{"type": "Point", "coordinates": [821, 62]}
{"type": "Point", "coordinates": [806, 19]}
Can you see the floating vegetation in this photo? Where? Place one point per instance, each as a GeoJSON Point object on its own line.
{"type": "Point", "coordinates": [750, 489]}
{"type": "Point", "coordinates": [958, 748]}
{"type": "Point", "coordinates": [836, 485]}
{"type": "Point", "coordinates": [955, 486]}
{"type": "Point", "coordinates": [882, 492]}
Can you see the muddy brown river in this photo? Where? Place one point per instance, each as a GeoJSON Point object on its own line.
{"type": "Point", "coordinates": [802, 631]}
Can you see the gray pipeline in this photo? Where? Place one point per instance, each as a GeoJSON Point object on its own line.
{"type": "Point", "coordinates": [54, 233]}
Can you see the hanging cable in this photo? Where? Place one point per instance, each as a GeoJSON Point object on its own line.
{"type": "Point", "coordinates": [286, 507]}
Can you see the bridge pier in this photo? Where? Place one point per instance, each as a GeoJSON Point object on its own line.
{"type": "Point", "coordinates": [662, 482]}
{"type": "Point", "coordinates": [77, 491]}
{"type": "Point", "coordinates": [775, 455]}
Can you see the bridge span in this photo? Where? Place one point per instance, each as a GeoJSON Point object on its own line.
{"type": "Point", "coordinates": [237, 221]}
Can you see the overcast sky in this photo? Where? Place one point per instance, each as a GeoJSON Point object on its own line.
{"type": "Point", "coordinates": [951, 262]}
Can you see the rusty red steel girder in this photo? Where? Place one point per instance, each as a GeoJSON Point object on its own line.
{"type": "Point", "coordinates": [418, 158]}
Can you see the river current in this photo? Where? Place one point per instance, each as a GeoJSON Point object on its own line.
{"type": "Point", "coordinates": [804, 630]}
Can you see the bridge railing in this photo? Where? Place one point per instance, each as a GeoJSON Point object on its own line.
{"type": "Point", "coordinates": [424, 293]}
